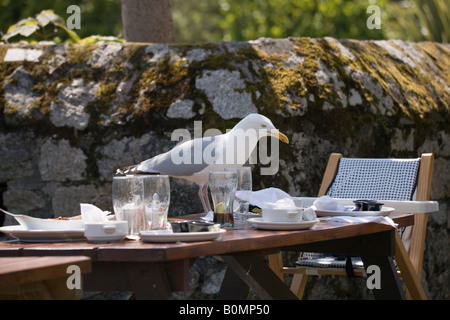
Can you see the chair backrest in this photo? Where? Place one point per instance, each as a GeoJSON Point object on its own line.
{"type": "Point", "coordinates": [387, 179]}
{"type": "Point", "coordinates": [384, 179]}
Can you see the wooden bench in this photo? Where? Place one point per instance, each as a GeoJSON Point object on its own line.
{"type": "Point", "coordinates": [29, 278]}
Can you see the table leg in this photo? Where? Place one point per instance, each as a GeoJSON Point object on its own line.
{"type": "Point", "coordinates": [148, 281]}
{"type": "Point", "coordinates": [232, 288]}
{"type": "Point", "coordinates": [255, 272]}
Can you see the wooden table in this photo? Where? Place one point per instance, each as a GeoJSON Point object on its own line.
{"type": "Point", "coordinates": [155, 270]}
{"type": "Point", "coordinates": [42, 277]}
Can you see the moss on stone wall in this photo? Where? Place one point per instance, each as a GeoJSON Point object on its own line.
{"type": "Point", "coordinates": [341, 87]}
{"type": "Point", "coordinates": [335, 90]}
{"type": "Point", "coordinates": [386, 78]}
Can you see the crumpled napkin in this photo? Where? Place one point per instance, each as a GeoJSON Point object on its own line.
{"type": "Point", "coordinates": [284, 203]}
{"type": "Point", "coordinates": [209, 216]}
{"type": "Point", "coordinates": [268, 195]}
{"type": "Point", "coordinates": [355, 220]}
{"type": "Point", "coordinates": [327, 203]}
{"type": "Point", "coordinates": [90, 213]}
{"type": "Point", "coordinates": [330, 204]}
{"type": "Point", "coordinates": [309, 214]}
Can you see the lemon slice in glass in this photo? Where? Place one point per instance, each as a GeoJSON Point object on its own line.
{"type": "Point", "coordinates": [220, 208]}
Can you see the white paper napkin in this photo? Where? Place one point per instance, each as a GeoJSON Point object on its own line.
{"type": "Point", "coordinates": [209, 216]}
{"type": "Point", "coordinates": [284, 203]}
{"type": "Point", "coordinates": [327, 203]}
{"type": "Point", "coordinates": [90, 213]}
{"type": "Point", "coordinates": [272, 195]}
{"type": "Point", "coordinates": [356, 220]}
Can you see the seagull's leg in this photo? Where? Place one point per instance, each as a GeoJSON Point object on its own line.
{"type": "Point", "coordinates": [203, 195]}
{"type": "Point", "coordinates": [206, 197]}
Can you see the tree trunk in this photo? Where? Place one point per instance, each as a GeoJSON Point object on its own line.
{"type": "Point", "coordinates": [147, 21]}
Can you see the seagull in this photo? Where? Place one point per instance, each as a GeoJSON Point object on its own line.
{"type": "Point", "coordinates": [192, 160]}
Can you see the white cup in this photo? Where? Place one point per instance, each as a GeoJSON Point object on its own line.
{"type": "Point", "coordinates": [108, 231]}
{"type": "Point", "coordinates": [282, 215]}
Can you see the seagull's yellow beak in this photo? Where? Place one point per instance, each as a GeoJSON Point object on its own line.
{"type": "Point", "coordinates": [277, 134]}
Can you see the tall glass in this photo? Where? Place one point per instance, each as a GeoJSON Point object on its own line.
{"type": "Point", "coordinates": [128, 203]}
{"type": "Point", "coordinates": [157, 200]}
{"type": "Point", "coordinates": [222, 185]}
{"type": "Point", "coordinates": [243, 193]}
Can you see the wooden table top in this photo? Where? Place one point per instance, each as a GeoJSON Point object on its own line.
{"type": "Point", "coordinates": [232, 241]}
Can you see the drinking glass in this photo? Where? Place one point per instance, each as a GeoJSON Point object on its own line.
{"type": "Point", "coordinates": [222, 185]}
{"type": "Point", "coordinates": [128, 203]}
{"type": "Point", "coordinates": [243, 193]}
{"type": "Point", "coordinates": [157, 200]}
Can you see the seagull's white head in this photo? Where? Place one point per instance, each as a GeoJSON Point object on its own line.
{"type": "Point", "coordinates": [262, 125]}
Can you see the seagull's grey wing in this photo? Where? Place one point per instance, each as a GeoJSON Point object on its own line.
{"type": "Point", "coordinates": [169, 162]}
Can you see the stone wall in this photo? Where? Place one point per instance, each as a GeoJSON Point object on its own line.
{"type": "Point", "coordinates": [70, 115]}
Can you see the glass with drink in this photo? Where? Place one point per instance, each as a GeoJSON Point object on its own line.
{"type": "Point", "coordinates": [222, 185]}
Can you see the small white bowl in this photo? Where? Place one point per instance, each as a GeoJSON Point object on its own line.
{"type": "Point", "coordinates": [282, 215]}
{"type": "Point", "coordinates": [108, 231]}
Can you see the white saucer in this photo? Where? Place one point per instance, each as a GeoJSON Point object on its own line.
{"type": "Point", "coordinates": [385, 211]}
{"type": "Point", "coordinates": [26, 235]}
{"type": "Point", "coordinates": [266, 225]}
{"type": "Point", "coordinates": [148, 236]}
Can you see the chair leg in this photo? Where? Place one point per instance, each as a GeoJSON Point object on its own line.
{"type": "Point", "coordinates": [276, 264]}
{"type": "Point", "coordinates": [410, 276]}
{"type": "Point", "coordinates": [298, 284]}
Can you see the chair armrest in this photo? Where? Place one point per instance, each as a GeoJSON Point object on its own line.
{"type": "Point", "coordinates": [412, 206]}
{"type": "Point", "coordinates": [399, 206]}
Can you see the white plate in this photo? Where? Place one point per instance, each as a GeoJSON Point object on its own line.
{"type": "Point", "coordinates": [385, 211]}
{"type": "Point", "coordinates": [180, 236]}
{"type": "Point", "coordinates": [25, 235]}
{"type": "Point", "coordinates": [32, 223]}
{"type": "Point", "coordinates": [266, 225]}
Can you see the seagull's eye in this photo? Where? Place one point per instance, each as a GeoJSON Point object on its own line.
{"type": "Point", "coordinates": [264, 126]}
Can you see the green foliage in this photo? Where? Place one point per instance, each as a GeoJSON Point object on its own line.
{"type": "Point", "coordinates": [99, 17]}
{"type": "Point", "coordinates": [298, 18]}
{"type": "Point", "coordinates": [419, 20]}
{"type": "Point", "coordinates": [241, 20]}
{"type": "Point", "coordinates": [46, 26]}
{"type": "Point", "coordinates": [196, 21]}
{"type": "Point", "coordinates": [237, 20]}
